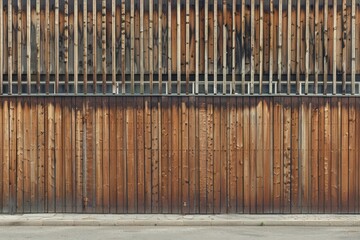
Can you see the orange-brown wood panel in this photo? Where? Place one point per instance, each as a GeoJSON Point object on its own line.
{"type": "Point", "coordinates": [315, 156]}
{"type": "Point", "coordinates": [217, 156]}
{"type": "Point", "coordinates": [210, 155]}
{"type": "Point", "coordinates": [121, 198]}
{"type": "Point", "coordinates": [295, 184]}
{"type": "Point", "coordinates": [175, 157]}
{"type": "Point", "coordinates": [140, 154]}
{"type": "Point", "coordinates": [277, 169]}
{"type": "Point", "coordinates": [335, 153]}
{"type": "Point", "coordinates": [165, 158]}
{"type": "Point", "coordinates": [203, 130]}
{"type": "Point", "coordinates": [112, 155]}
{"type": "Point", "coordinates": [239, 156]}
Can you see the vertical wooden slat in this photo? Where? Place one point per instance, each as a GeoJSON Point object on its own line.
{"type": "Point", "coordinates": [28, 47]}
{"type": "Point", "coordinates": [113, 153]}
{"type": "Point", "coordinates": [317, 45]}
{"type": "Point", "coordinates": [9, 45]}
{"type": "Point", "coordinates": [343, 164]}
{"type": "Point", "coordinates": [185, 155]}
{"type": "Point", "coordinates": [334, 45]}
{"type": "Point", "coordinates": [169, 45]}
{"type": "Point", "coordinates": [295, 158]}
{"type": "Point", "coordinates": [224, 40]}
{"type": "Point", "coordinates": [307, 45]}
{"type": "Point", "coordinates": [232, 177]}
{"type": "Point", "coordinates": [151, 45]}
{"type": "Point", "coordinates": [94, 50]}
{"type": "Point", "coordinates": [178, 45]}
{"type": "Point", "coordinates": [155, 153]}
{"type": "Point", "coordinates": [141, 63]}
{"type": "Point", "coordinates": [50, 158]}
{"type": "Point", "coordinates": [175, 158]}
{"type": "Point", "coordinates": [289, 32]}
{"type": "Point", "coordinates": [286, 160]}
{"type": "Point", "coordinates": [19, 158]}
{"type": "Point", "coordinates": [103, 45]}
{"type": "Point", "coordinates": [261, 46]}
{"type": "Point", "coordinates": [165, 146]}
{"type": "Point", "coordinates": [353, 44]}
{"type": "Point", "coordinates": [280, 33]}
{"type": "Point", "coordinates": [105, 153]}
{"type": "Point", "coordinates": [252, 46]}
{"type": "Point", "coordinates": [140, 154]}
{"type": "Point", "coordinates": [47, 46]}
{"type": "Point", "coordinates": [160, 43]}
{"type": "Point", "coordinates": [325, 39]}
{"type": "Point", "coordinates": [123, 49]}
{"type": "Point", "coordinates": [352, 156]}
{"type": "Point", "coordinates": [59, 173]}
{"type": "Point", "coordinates": [66, 44]}
{"type": "Point", "coordinates": [259, 166]}
{"type": "Point", "coordinates": [334, 170]}
{"type": "Point", "coordinates": [34, 179]}
{"type": "Point", "coordinates": [240, 156]}
{"type": "Point", "coordinates": [217, 155]}
{"type": "Point", "coordinates": [216, 44]}
{"type": "Point", "coordinates": [19, 43]}
{"type": "Point", "coordinates": [210, 156]}
{"type": "Point", "coordinates": [202, 154]}
{"type": "Point", "coordinates": [98, 161]}
{"type": "Point", "coordinates": [6, 158]}
{"type": "Point", "coordinates": [271, 46]}
{"type": "Point", "coordinates": [1, 46]}
{"type": "Point", "coordinates": [113, 45]}
{"type": "Point", "coordinates": [27, 159]}
{"type": "Point", "coordinates": [12, 154]}
{"type": "Point", "coordinates": [344, 45]}
{"type": "Point", "coordinates": [147, 154]}
{"type": "Point", "coordinates": [315, 159]}
{"type": "Point", "coordinates": [277, 169]}
{"type": "Point", "coordinates": [120, 158]}
{"type": "Point", "coordinates": [298, 44]}
{"type": "Point", "coordinates": [252, 158]}
{"type": "Point", "coordinates": [197, 44]}
{"type": "Point", "coordinates": [85, 45]}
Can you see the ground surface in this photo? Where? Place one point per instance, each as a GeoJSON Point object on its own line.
{"type": "Point", "coordinates": [179, 233]}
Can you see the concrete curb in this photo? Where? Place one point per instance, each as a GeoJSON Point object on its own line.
{"type": "Point", "coordinates": [178, 220]}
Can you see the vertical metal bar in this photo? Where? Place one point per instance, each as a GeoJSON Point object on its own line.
{"type": "Point", "coordinates": [57, 50]}
{"type": "Point", "coordinates": [326, 56]}
{"type": "Point", "coordinates": [151, 45]}
{"type": "Point", "coordinates": [160, 42]}
{"type": "Point", "coordinates": [224, 27]}
{"type": "Point", "coordinates": [307, 46]}
{"type": "Point", "coordinates": [19, 43]}
{"type": "Point", "coordinates": [113, 45]}
{"type": "Point", "coordinates": [123, 64]}
{"type": "Point", "coordinates": [271, 45]}
{"type": "Point", "coordinates": [317, 46]}
{"type": "Point", "coordinates": [76, 46]}
{"type": "Point", "coordinates": [178, 45]}
{"type": "Point", "coordinates": [10, 50]}
{"type": "Point", "coordinates": [94, 27]}
{"type": "Point", "coordinates": [289, 48]}
{"type": "Point", "coordinates": [132, 45]}
{"type": "Point", "coordinates": [344, 48]}
{"type": "Point", "coordinates": [38, 63]}
{"type": "Point", "coordinates": [353, 49]}
{"type": "Point", "coordinates": [47, 46]}
{"type": "Point", "coordinates": [103, 45]}
{"type": "Point", "coordinates": [261, 71]}
{"type": "Point", "coordinates": [85, 43]}
{"type": "Point", "coordinates": [252, 46]}
{"type": "Point", "coordinates": [206, 50]}
{"type": "Point", "coordinates": [280, 46]}
{"type": "Point", "coordinates": [66, 43]}
{"type": "Point", "coordinates": [215, 44]}
{"type": "Point", "coordinates": [141, 46]}
{"type": "Point", "coordinates": [197, 46]}
{"type": "Point", "coordinates": [334, 45]}
{"type": "Point", "coordinates": [169, 47]}
{"type": "Point", "coordinates": [1, 46]}
{"type": "Point", "coordinates": [28, 46]}
{"type": "Point", "coordinates": [298, 43]}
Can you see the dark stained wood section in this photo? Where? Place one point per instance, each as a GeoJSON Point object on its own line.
{"type": "Point", "coordinates": [179, 155]}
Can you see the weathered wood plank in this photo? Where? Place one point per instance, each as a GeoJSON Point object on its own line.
{"type": "Point", "coordinates": [19, 157]}
{"type": "Point", "coordinates": [1, 46]}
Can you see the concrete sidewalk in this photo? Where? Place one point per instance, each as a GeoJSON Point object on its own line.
{"type": "Point", "coordinates": [177, 220]}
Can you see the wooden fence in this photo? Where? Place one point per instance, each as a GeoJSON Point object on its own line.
{"type": "Point", "coordinates": [179, 47]}
{"type": "Point", "coordinates": [180, 155]}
